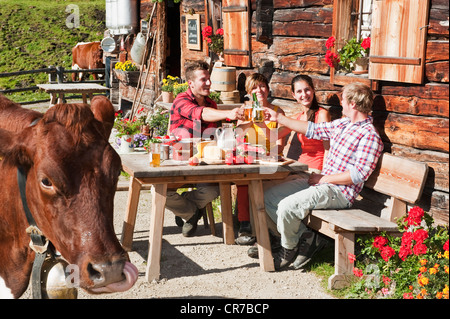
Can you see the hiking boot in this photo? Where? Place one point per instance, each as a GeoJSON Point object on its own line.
{"type": "Point", "coordinates": [310, 243]}
{"type": "Point", "coordinates": [245, 235]}
{"type": "Point", "coordinates": [190, 226]}
{"type": "Point", "coordinates": [284, 258]}
{"type": "Point", "coordinates": [275, 245]}
{"type": "Point", "coordinates": [179, 221]}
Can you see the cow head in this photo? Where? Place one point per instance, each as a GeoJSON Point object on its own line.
{"type": "Point", "coordinates": [72, 173]}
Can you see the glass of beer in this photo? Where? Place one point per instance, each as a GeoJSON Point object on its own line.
{"type": "Point", "coordinates": [155, 154]}
{"type": "Point", "coordinates": [258, 115]}
{"type": "Point", "coordinates": [248, 111]}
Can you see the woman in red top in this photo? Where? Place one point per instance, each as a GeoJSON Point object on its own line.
{"type": "Point", "coordinates": [313, 151]}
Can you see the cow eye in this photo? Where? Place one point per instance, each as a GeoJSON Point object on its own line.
{"type": "Point", "coordinates": [46, 183]}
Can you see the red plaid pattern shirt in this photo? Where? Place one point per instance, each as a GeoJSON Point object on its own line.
{"type": "Point", "coordinates": [186, 117]}
{"type": "Point", "coordinates": [354, 147]}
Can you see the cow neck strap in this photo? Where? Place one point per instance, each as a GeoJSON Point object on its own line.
{"type": "Point", "coordinates": [39, 244]}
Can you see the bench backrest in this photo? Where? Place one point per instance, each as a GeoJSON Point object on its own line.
{"type": "Point", "coordinates": [398, 177]}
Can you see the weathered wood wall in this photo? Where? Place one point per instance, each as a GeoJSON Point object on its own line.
{"type": "Point", "coordinates": [289, 38]}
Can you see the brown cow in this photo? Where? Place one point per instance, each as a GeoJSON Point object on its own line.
{"type": "Point", "coordinates": [87, 56]}
{"type": "Point", "coordinates": [72, 174]}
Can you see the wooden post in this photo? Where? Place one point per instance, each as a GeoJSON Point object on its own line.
{"type": "Point", "coordinates": [51, 74]}
{"type": "Point", "coordinates": [60, 74]}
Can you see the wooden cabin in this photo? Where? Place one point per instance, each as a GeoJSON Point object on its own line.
{"type": "Point", "coordinates": [408, 70]}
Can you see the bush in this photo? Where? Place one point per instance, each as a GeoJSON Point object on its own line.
{"type": "Point", "coordinates": [411, 266]}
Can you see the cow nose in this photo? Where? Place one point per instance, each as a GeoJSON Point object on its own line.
{"type": "Point", "coordinates": [103, 274]}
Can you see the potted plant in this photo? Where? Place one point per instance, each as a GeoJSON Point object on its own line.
{"type": "Point", "coordinates": [182, 87]}
{"type": "Point", "coordinates": [353, 56]}
{"type": "Point", "coordinates": [126, 72]}
{"type": "Point", "coordinates": [125, 130]}
{"type": "Point", "coordinates": [214, 41]}
{"type": "Point", "coordinates": [167, 88]}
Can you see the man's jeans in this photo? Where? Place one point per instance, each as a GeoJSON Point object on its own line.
{"type": "Point", "coordinates": [186, 205]}
{"type": "Point", "coordinates": [289, 203]}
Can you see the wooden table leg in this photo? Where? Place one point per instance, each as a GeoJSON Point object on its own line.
{"type": "Point", "coordinates": [159, 193]}
{"type": "Point", "coordinates": [130, 214]}
{"type": "Point", "coordinates": [256, 193]}
{"type": "Point", "coordinates": [227, 214]}
{"type": "Point", "coordinates": [53, 99]}
{"type": "Point", "coordinates": [84, 95]}
{"type": "Point", "coordinates": [60, 98]}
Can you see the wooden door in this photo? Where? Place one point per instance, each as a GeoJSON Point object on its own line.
{"type": "Point", "coordinates": [236, 27]}
{"type": "Point", "coordinates": [399, 30]}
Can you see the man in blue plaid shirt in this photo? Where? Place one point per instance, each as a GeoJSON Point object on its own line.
{"type": "Point", "coordinates": [355, 147]}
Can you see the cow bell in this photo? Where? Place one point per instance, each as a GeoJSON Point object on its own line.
{"type": "Point", "coordinates": [53, 280]}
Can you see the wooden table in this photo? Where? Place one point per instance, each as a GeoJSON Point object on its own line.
{"type": "Point", "coordinates": [171, 175]}
{"type": "Point", "coordinates": [58, 90]}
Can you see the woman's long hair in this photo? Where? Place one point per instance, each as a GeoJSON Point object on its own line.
{"type": "Point", "coordinates": [311, 113]}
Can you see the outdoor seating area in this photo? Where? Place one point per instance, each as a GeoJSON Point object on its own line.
{"type": "Point", "coordinates": [224, 149]}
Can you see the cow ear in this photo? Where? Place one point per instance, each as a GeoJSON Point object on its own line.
{"type": "Point", "coordinates": [14, 148]}
{"type": "Point", "coordinates": [104, 112]}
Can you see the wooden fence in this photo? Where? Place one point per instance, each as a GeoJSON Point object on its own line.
{"type": "Point", "coordinates": [55, 75]}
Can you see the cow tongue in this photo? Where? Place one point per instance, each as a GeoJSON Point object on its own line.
{"type": "Point", "coordinates": [131, 275]}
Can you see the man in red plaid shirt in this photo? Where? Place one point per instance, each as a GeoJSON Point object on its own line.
{"type": "Point", "coordinates": [194, 115]}
{"type": "Point", "coordinates": [355, 147]}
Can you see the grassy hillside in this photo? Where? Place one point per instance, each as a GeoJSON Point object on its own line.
{"type": "Point", "coordinates": [34, 34]}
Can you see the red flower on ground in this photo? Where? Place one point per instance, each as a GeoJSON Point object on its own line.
{"type": "Point", "coordinates": [446, 245]}
{"type": "Point", "coordinates": [379, 242]}
{"type": "Point", "coordinates": [420, 249]}
{"type": "Point", "coordinates": [414, 217]}
{"type": "Point", "coordinates": [357, 272]}
{"type": "Point", "coordinates": [387, 252]}
{"type": "Point", "coordinates": [420, 235]}
{"type": "Point", "coordinates": [408, 295]}
{"type": "Point", "coordinates": [404, 252]}
{"type": "Point", "coordinates": [351, 257]}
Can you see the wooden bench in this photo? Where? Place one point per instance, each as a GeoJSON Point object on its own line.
{"type": "Point", "coordinates": [401, 179]}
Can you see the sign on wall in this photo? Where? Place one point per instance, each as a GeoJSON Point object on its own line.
{"type": "Point", "coordinates": [193, 32]}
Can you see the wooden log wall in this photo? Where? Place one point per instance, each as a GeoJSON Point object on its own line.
{"type": "Point", "coordinates": [289, 38]}
{"type": "Point", "coordinates": [412, 119]}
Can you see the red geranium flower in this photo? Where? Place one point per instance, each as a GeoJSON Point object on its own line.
{"type": "Point", "coordinates": [420, 235]}
{"type": "Point", "coordinates": [405, 251]}
{"type": "Point", "coordinates": [330, 42]}
{"type": "Point", "coordinates": [419, 249]}
{"type": "Point", "coordinates": [365, 44]}
{"type": "Point", "coordinates": [379, 242]}
{"type": "Point", "coordinates": [332, 59]}
{"type": "Point", "coordinates": [207, 31]}
{"type": "Point", "coordinates": [446, 245]}
{"type": "Point", "coordinates": [415, 216]}
{"type": "Point", "coordinates": [387, 252]}
{"type": "Point", "coordinates": [357, 272]}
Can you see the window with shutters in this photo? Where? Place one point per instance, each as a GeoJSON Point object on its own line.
{"type": "Point", "coordinates": [398, 31]}
{"type": "Point", "coordinates": [235, 21]}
